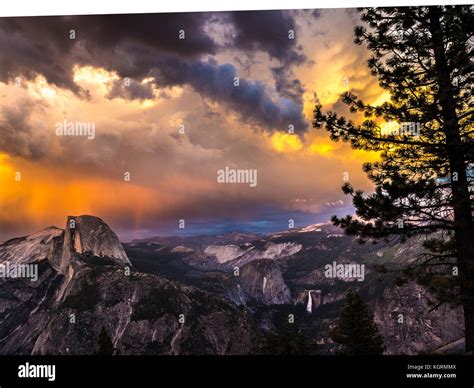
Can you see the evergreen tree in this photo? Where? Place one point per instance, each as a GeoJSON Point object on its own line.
{"type": "Point", "coordinates": [355, 331]}
{"type": "Point", "coordinates": [105, 345]}
{"type": "Point", "coordinates": [287, 340]}
{"type": "Point", "coordinates": [424, 57]}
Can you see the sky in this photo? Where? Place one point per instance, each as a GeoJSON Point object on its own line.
{"type": "Point", "coordinates": [173, 99]}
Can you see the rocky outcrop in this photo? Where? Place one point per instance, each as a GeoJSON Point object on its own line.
{"type": "Point", "coordinates": [143, 314]}
{"type": "Point", "coordinates": [224, 253]}
{"type": "Point", "coordinates": [89, 234]}
{"type": "Point", "coordinates": [83, 235]}
{"type": "Point", "coordinates": [84, 285]}
{"type": "Point", "coordinates": [410, 325]}
{"type": "Point", "coordinates": [29, 249]}
{"type": "Point", "coordinates": [25, 309]}
{"type": "Point", "coordinates": [269, 250]}
{"type": "Point", "coordinates": [261, 281]}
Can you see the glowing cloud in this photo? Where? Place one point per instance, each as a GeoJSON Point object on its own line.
{"type": "Point", "coordinates": [285, 142]}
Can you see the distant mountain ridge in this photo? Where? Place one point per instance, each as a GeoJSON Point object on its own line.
{"type": "Point", "coordinates": [200, 241]}
{"type": "Point", "coordinates": [203, 294]}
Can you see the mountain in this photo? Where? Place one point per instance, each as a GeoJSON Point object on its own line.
{"type": "Point", "coordinates": [293, 263]}
{"type": "Point", "coordinates": [262, 281]}
{"type": "Point", "coordinates": [205, 294]}
{"type": "Point", "coordinates": [85, 234]}
{"type": "Point", "coordinates": [86, 281]}
{"type": "Point", "coordinates": [200, 241]}
{"type": "Point", "coordinates": [31, 248]}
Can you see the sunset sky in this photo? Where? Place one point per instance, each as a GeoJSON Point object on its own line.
{"type": "Point", "coordinates": [46, 77]}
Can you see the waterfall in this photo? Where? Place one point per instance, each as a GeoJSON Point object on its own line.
{"type": "Point", "coordinates": [309, 306]}
{"type": "Point", "coordinates": [264, 283]}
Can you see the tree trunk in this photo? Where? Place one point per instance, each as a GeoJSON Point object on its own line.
{"type": "Point", "coordinates": [463, 225]}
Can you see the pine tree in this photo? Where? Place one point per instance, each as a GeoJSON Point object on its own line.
{"type": "Point", "coordinates": [424, 57]}
{"type": "Point", "coordinates": [355, 330]}
{"type": "Point", "coordinates": [105, 345]}
{"type": "Point", "coordinates": [287, 340]}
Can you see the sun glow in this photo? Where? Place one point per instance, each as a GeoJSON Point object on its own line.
{"type": "Point", "coordinates": [321, 148]}
{"type": "Point", "coordinates": [285, 142]}
{"type": "Point", "coordinates": [93, 75]}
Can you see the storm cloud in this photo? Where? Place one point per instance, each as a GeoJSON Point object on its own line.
{"type": "Point", "coordinates": [267, 31]}
{"type": "Point", "coordinates": [139, 46]}
{"type": "Point", "coordinates": [271, 31]}
{"type": "Point", "coordinates": [18, 135]}
{"type": "Point", "coordinates": [250, 99]}
{"type": "Point", "coordinates": [44, 45]}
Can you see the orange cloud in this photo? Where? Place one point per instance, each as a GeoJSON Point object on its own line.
{"type": "Point", "coordinates": [286, 142]}
{"type": "Point", "coordinates": [322, 148]}
{"type": "Point", "coordinates": [35, 194]}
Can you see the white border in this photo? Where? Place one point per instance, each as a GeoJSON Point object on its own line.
{"type": "Point", "coordinates": [84, 7]}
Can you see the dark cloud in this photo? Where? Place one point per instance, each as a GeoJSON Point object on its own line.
{"type": "Point", "coordinates": [17, 135]}
{"type": "Point", "coordinates": [316, 13]}
{"type": "Point", "coordinates": [42, 45]}
{"type": "Point", "coordinates": [138, 46]}
{"type": "Point", "coordinates": [131, 90]}
{"type": "Point", "coordinates": [267, 31]}
{"type": "Point", "coordinates": [158, 31]}
{"type": "Point", "coordinates": [250, 99]}
{"type": "Point", "coordinates": [286, 85]}
{"type": "Point", "coordinates": [30, 47]}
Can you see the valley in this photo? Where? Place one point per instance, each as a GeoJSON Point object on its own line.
{"type": "Point", "coordinates": [222, 294]}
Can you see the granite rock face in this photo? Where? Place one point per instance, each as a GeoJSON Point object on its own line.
{"type": "Point", "coordinates": [143, 314]}
{"type": "Point", "coordinates": [25, 309]}
{"type": "Point", "coordinates": [261, 281]}
{"type": "Point", "coordinates": [29, 249]}
{"type": "Point", "coordinates": [87, 282]}
{"type": "Point", "coordinates": [89, 234]}
{"type": "Point", "coordinates": [410, 325]}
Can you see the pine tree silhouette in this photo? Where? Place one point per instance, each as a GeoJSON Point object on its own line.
{"type": "Point", "coordinates": [355, 331]}
{"type": "Point", "coordinates": [105, 345]}
{"type": "Point", "coordinates": [423, 56]}
{"type": "Point", "coordinates": [287, 340]}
